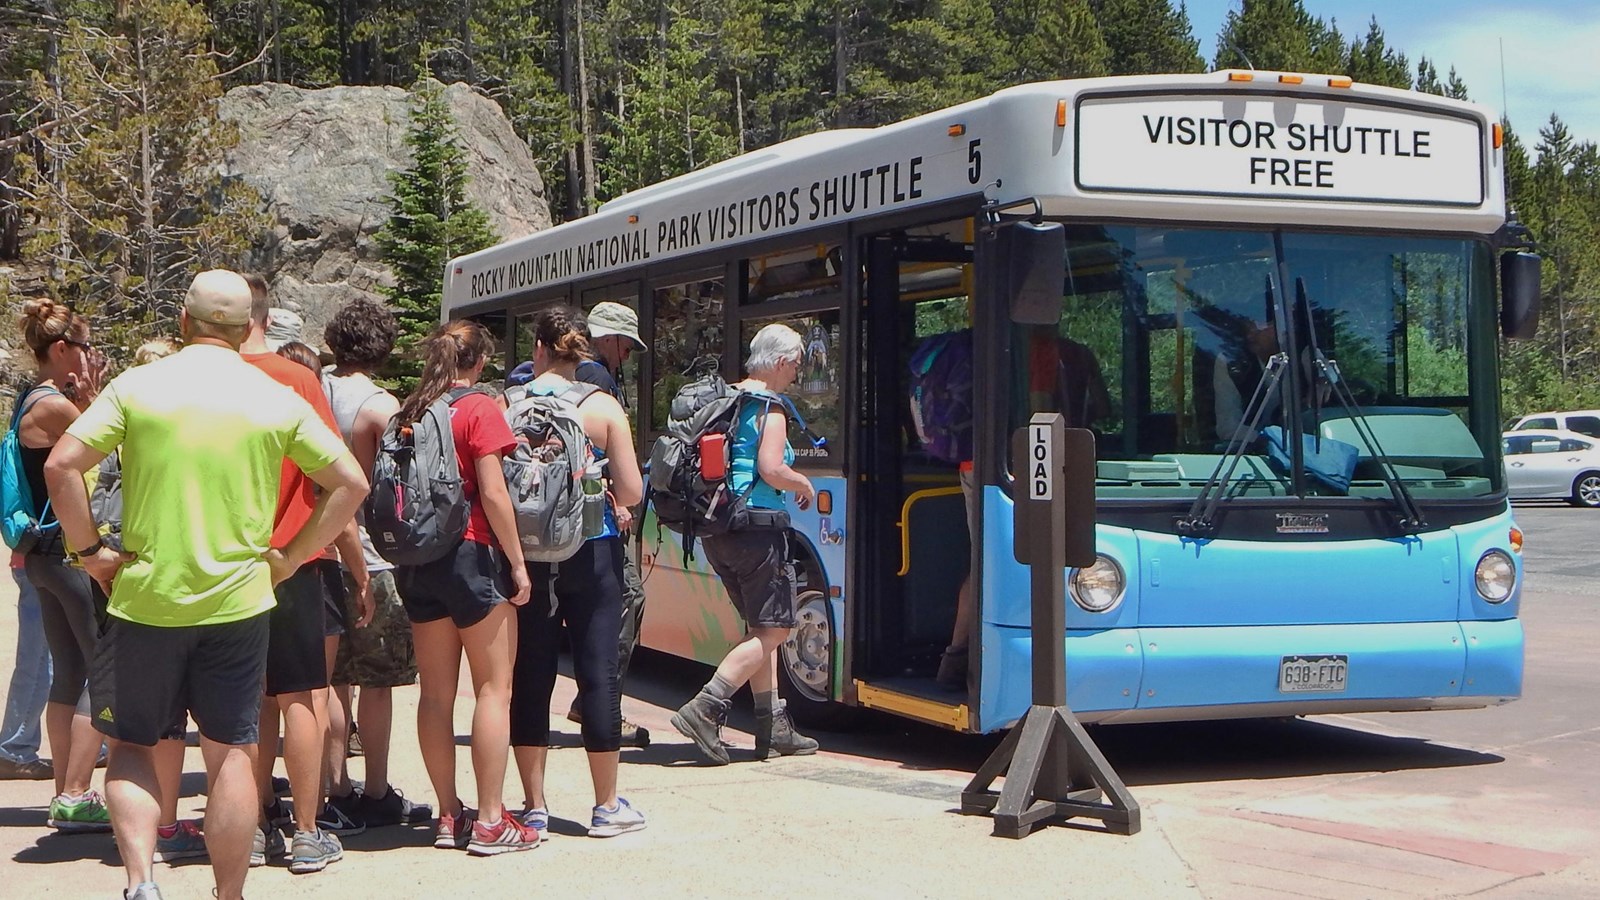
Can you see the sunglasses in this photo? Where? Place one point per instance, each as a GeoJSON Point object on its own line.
{"type": "Point", "coordinates": [79, 344]}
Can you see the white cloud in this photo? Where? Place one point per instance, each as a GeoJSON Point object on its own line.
{"type": "Point", "coordinates": [1552, 63]}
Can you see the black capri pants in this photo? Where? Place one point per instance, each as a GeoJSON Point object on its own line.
{"type": "Point", "coordinates": [588, 600]}
{"type": "Point", "coordinates": [71, 624]}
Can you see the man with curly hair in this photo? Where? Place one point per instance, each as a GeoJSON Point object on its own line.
{"type": "Point", "coordinates": [380, 657]}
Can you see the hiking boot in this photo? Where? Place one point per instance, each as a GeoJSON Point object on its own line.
{"type": "Point", "coordinates": [505, 836]}
{"type": "Point", "coordinates": [186, 843]}
{"type": "Point", "coordinates": [84, 814]}
{"type": "Point", "coordinates": [341, 815]}
{"type": "Point", "coordinates": [453, 832]}
{"type": "Point", "coordinates": [36, 770]}
{"type": "Point", "coordinates": [701, 720]}
{"type": "Point", "coordinates": [391, 809]}
{"type": "Point", "coordinates": [146, 891]}
{"type": "Point", "coordinates": [352, 744]}
{"type": "Point", "coordinates": [312, 851]}
{"type": "Point", "coordinates": [775, 735]}
{"type": "Point", "coordinates": [634, 735]}
{"type": "Point", "coordinates": [268, 846]}
{"type": "Point", "coordinates": [612, 822]}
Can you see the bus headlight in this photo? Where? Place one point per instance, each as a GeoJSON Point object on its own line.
{"type": "Point", "coordinates": [1496, 575]}
{"type": "Point", "coordinates": [1100, 587]}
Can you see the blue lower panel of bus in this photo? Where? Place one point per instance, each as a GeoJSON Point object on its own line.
{"type": "Point", "coordinates": [1158, 674]}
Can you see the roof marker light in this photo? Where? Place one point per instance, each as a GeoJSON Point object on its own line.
{"type": "Point", "coordinates": [633, 220]}
{"type": "Point", "coordinates": [956, 130]}
{"type": "Point", "coordinates": [1341, 81]}
{"type": "Point", "coordinates": [1291, 79]}
{"type": "Point", "coordinates": [1499, 135]}
{"type": "Point", "coordinates": [1241, 76]}
{"type": "Point", "coordinates": [1061, 113]}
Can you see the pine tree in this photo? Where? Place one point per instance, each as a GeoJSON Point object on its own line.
{"type": "Point", "coordinates": [1428, 78]}
{"type": "Point", "coordinates": [1454, 87]}
{"type": "Point", "coordinates": [1279, 35]}
{"type": "Point", "coordinates": [1147, 37]}
{"type": "Point", "coordinates": [129, 199]}
{"type": "Point", "coordinates": [1053, 39]}
{"type": "Point", "coordinates": [431, 221]}
{"type": "Point", "coordinates": [1371, 61]}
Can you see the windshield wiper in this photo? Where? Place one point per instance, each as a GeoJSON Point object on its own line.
{"type": "Point", "coordinates": [1410, 514]}
{"type": "Point", "coordinates": [1327, 371]}
{"type": "Point", "coordinates": [1200, 522]}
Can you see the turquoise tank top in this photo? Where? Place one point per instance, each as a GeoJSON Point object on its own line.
{"type": "Point", "coordinates": [746, 438]}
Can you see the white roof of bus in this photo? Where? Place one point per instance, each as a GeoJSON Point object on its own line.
{"type": "Point", "coordinates": [1018, 109]}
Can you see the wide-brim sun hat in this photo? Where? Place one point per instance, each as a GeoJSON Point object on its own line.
{"type": "Point", "coordinates": [614, 318]}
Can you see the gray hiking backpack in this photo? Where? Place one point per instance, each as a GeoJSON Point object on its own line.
{"type": "Point", "coordinates": [544, 474]}
{"type": "Point", "coordinates": [417, 511]}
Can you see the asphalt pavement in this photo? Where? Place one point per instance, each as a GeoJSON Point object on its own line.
{"type": "Point", "coordinates": [1496, 802]}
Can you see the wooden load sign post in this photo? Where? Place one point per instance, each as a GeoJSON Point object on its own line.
{"type": "Point", "coordinates": [1053, 770]}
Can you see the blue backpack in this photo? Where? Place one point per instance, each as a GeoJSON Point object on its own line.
{"type": "Point", "coordinates": [22, 532]}
{"type": "Point", "coordinates": [941, 395]}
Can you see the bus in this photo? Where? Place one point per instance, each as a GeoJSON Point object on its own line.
{"type": "Point", "coordinates": [1273, 299]}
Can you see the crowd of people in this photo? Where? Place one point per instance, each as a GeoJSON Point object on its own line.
{"type": "Point", "coordinates": [195, 552]}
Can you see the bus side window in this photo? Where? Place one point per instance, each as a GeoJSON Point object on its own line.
{"type": "Point", "coordinates": [687, 341]}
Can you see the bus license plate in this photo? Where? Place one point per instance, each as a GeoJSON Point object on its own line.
{"type": "Point", "coordinates": [1320, 674]}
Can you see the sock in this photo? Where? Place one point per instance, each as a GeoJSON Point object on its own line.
{"type": "Point", "coordinates": [766, 702]}
{"type": "Point", "coordinates": [719, 688]}
{"type": "Point", "coordinates": [167, 831]}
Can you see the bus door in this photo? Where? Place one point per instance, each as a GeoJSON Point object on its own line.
{"type": "Point", "coordinates": [911, 542]}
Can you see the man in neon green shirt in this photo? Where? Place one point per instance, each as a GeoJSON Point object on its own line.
{"type": "Point", "coordinates": [203, 437]}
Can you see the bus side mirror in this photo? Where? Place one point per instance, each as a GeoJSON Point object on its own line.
{"type": "Point", "coordinates": [1036, 268]}
{"type": "Point", "coordinates": [1519, 294]}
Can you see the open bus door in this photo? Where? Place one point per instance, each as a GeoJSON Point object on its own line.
{"type": "Point", "coordinates": [911, 541]}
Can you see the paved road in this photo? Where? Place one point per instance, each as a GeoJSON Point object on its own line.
{"type": "Point", "coordinates": [1501, 802]}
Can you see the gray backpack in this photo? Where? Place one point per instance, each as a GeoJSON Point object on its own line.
{"type": "Point", "coordinates": [544, 473]}
{"type": "Point", "coordinates": [417, 510]}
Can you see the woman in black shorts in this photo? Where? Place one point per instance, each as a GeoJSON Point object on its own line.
{"type": "Point", "coordinates": [587, 599]}
{"type": "Point", "coordinates": [464, 601]}
{"type": "Point", "coordinates": [68, 379]}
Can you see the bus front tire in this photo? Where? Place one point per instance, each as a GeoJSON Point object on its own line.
{"type": "Point", "coordinates": [805, 666]}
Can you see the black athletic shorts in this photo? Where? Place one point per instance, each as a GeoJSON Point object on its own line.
{"type": "Point", "coordinates": [334, 622]}
{"type": "Point", "coordinates": [464, 584]}
{"type": "Point", "coordinates": [295, 660]}
{"type": "Point", "coordinates": [758, 574]}
{"type": "Point", "coordinates": [145, 678]}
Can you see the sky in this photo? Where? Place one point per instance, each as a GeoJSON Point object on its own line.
{"type": "Point", "coordinates": [1552, 50]}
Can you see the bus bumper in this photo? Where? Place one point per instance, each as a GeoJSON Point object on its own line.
{"type": "Point", "coordinates": [1178, 673]}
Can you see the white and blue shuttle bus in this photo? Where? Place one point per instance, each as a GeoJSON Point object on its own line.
{"type": "Point", "coordinates": [1281, 298]}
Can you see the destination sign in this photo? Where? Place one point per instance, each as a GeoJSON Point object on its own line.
{"type": "Point", "coordinates": [1304, 148]}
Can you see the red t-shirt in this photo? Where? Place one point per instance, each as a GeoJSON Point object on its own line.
{"type": "Point", "coordinates": [296, 491]}
{"type": "Point", "coordinates": [479, 427]}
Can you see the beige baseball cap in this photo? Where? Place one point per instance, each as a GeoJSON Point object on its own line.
{"type": "Point", "coordinates": [220, 297]}
{"type": "Point", "coordinates": [614, 318]}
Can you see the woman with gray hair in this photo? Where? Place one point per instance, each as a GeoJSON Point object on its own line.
{"type": "Point", "coordinates": [754, 562]}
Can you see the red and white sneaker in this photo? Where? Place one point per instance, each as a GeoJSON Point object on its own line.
{"type": "Point", "coordinates": [453, 832]}
{"type": "Point", "coordinates": [505, 836]}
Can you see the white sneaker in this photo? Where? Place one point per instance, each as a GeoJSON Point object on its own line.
{"type": "Point", "coordinates": [612, 822]}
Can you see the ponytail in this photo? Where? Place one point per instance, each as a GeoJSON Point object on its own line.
{"type": "Point", "coordinates": [451, 349]}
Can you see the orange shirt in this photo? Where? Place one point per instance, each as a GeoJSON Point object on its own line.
{"type": "Point", "coordinates": [296, 492]}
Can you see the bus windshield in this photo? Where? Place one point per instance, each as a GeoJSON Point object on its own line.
{"type": "Point", "coordinates": [1166, 333]}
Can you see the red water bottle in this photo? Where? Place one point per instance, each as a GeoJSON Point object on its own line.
{"type": "Point", "coordinates": [713, 457]}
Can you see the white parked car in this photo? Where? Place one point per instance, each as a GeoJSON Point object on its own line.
{"type": "Point", "coordinates": [1583, 421]}
{"type": "Point", "coordinates": [1553, 464]}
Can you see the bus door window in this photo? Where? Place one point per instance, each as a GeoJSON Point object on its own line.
{"type": "Point", "coordinates": [686, 341]}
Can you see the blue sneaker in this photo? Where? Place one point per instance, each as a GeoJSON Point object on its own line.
{"type": "Point", "coordinates": [186, 843]}
{"type": "Point", "coordinates": [612, 822]}
{"type": "Point", "coordinates": [537, 818]}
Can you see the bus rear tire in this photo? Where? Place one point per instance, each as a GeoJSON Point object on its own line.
{"type": "Point", "coordinates": [805, 666]}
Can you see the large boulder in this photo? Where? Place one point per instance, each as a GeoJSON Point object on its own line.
{"type": "Point", "coordinates": [320, 159]}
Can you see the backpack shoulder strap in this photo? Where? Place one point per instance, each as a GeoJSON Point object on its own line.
{"type": "Point", "coordinates": [579, 391]}
{"type": "Point", "coordinates": [28, 400]}
{"type": "Point", "coordinates": [455, 394]}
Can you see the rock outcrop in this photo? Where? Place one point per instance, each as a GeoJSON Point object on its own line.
{"type": "Point", "coordinates": [320, 160]}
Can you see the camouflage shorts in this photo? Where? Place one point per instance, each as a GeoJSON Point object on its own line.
{"type": "Point", "coordinates": [379, 655]}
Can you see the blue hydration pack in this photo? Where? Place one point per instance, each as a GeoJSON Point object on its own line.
{"type": "Point", "coordinates": [22, 532]}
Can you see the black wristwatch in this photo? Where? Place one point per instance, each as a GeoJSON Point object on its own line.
{"type": "Point", "coordinates": [90, 550]}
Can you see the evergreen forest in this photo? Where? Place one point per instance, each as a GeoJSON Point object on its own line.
{"type": "Point", "coordinates": [108, 130]}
